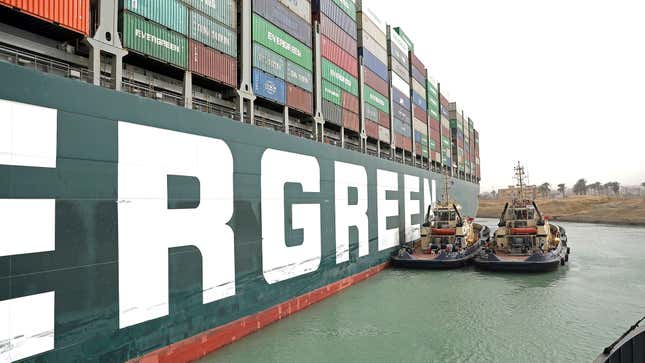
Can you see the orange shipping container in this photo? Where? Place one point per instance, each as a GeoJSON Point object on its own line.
{"type": "Point", "coordinates": [69, 14]}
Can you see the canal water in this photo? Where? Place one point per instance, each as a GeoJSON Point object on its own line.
{"type": "Point", "coordinates": [471, 316]}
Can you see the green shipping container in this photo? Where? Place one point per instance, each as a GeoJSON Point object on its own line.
{"type": "Point", "coordinates": [154, 40]}
{"type": "Point", "coordinates": [348, 7]}
{"type": "Point", "coordinates": [371, 112]}
{"type": "Point", "coordinates": [205, 30]}
{"type": "Point", "coordinates": [332, 93]}
{"type": "Point", "coordinates": [269, 61]}
{"type": "Point", "coordinates": [224, 11]}
{"type": "Point", "coordinates": [339, 77]}
{"type": "Point", "coordinates": [172, 14]}
{"type": "Point", "coordinates": [433, 145]}
{"type": "Point", "coordinates": [300, 77]}
{"type": "Point", "coordinates": [280, 42]}
{"type": "Point", "coordinates": [376, 99]}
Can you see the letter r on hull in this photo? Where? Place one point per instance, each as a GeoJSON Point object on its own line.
{"type": "Point", "coordinates": [147, 228]}
{"type": "Point", "coordinates": [27, 138]}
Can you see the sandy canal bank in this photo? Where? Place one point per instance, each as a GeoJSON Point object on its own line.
{"type": "Point", "coordinates": [588, 209]}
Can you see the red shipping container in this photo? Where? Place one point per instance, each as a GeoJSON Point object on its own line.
{"type": "Point", "coordinates": [403, 142]}
{"type": "Point", "coordinates": [444, 101]}
{"type": "Point", "coordinates": [70, 14]}
{"type": "Point", "coordinates": [329, 50]}
{"type": "Point", "coordinates": [300, 99]}
{"type": "Point", "coordinates": [350, 102]}
{"type": "Point", "coordinates": [418, 149]}
{"type": "Point", "coordinates": [384, 119]}
{"type": "Point", "coordinates": [416, 63]}
{"type": "Point", "coordinates": [420, 114]}
{"type": "Point", "coordinates": [371, 128]}
{"type": "Point", "coordinates": [377, 83]}
{"type": "Point", "coordinates": [332, 31]}
{"type": "Point", "coordinates": [435, 125]}
{"type": "Point", "coordinates": [212, 64]}
{"type": "Point", "coordinates": [351, 121]}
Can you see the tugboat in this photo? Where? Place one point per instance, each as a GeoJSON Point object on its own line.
{"type": "Point", "coordinates": [525, 240]}
{"type": "Point", "coordinates": [447, 240]}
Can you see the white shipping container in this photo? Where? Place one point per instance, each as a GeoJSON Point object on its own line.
{"type": "Point", "coordinates": [368, 42]}
{"type": "Point", "coordinates": [383, 134]}
{"type": "Point", "coordinates": [301, 7]}
{"type": "Point", "coordinates": [400, 84]}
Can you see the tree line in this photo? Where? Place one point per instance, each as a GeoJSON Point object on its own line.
{"type": "Point", "coordinates": [581, 187]}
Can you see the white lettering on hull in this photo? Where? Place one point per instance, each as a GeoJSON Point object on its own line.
{"type": "Point", "coordinates": [27, 138]}
{"type": "Point", "coordinates": [386, 181]}
{"type": "Point", "coordinates": [411, 185]}
{"type": "Point", "coordinates": [147, 228]}
{"type": "Point", "coordinates": [350, 176]}
{"type": "Point", "coordinates": [279, 261]}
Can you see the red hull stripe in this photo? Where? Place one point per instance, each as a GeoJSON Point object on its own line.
{"type": "Point", "coordinates": [197, 346]}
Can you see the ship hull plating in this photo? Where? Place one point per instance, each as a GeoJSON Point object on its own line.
{"type": "Point", "coordinates": [131, 225]}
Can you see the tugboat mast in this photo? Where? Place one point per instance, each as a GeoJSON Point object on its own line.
{"type": "Point", "coordinates": [520, 176]}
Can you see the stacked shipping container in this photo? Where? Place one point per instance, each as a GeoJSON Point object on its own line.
{"type": "Point", "coordinates": [193, 35]}
{"type": "Point", "coordinates": [338, 52]}
{"type": "Point", "coordinates": [398, 62]}
{"type": "Point", "coordinates": [372, 43]}
{"type": "Point", "coordinates": [70, 14]}
{"type": "Point", "coordinates": [477, 168]}
{"type": "Point", "coordinates": [419, 105]}
{"type": "Point", "coordinates": [434, 120]}
{"type": "Point", "coordinates": [446, 138]}
{"type": "Point", "coordinates": [282, 55]}
{"type": "Point", "coordinates": [457, 135]}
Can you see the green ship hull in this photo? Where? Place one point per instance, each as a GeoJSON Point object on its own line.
{"type": "Point", "coordinates": [134, 225]}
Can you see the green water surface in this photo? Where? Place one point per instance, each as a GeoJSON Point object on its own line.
{"type": "Point", "coordinates": [471, 316]}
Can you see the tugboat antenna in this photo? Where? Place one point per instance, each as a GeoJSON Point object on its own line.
{"type": "Point", "coordinates": [520, 175]}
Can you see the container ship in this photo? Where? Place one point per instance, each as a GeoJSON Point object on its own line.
{"type": "Point", "coordinates": [175, 175]}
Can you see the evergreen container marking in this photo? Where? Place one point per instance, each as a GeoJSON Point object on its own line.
{"type": "Point", "coordinates": [169, 13]}
{"type": "Point", "coordinates": [376, 99]}
{"type": "Point", "coordinates": [224, 11]}
{"type": "Point", "coordinates": [280, 42]}
{"type": "Point", "coordinates": [269, 87]}
{"type": "Point", "coordinates": [332, 93]}
{"type": "Point", "coordinates": [204, 29]}
{"type": "Point", "coordinates": [300, 76]}
{"type": "Point", "coordinates": [280, 15]}
{"type": "Point", "coordinates": [339, 77]}
{"type": "Point", "coordinates": [154, 40]}
{"type": "Point", "coordinates": [269, 61]}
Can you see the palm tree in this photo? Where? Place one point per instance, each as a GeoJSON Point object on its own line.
{"type": "Point", "coordinates": [596, 187]}
{"type": "Point", "coordinates": [580, 188]}
{"type": "Point", "coordinates": [562, 189]}
{"type": "Point", "coordinates": [545, 189]}
{"type": "Point", "coordinates": [607, 188]}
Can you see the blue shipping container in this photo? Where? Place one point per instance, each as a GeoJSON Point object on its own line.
{"type": "Point", "coordinates": [401, 113]}
{"type": "Point", "coordinates": [444, 111]}
{"type": "Point", "coordinates": [419, 101]}
{"type": "Point", "coordinates": [398, 98]}
{"type": "Point", "coordinates": [337, 15]}
{"type": "Point", "coordinates": [374, 64]}
{"type": "Point", "coordinates": [418, 76]}
{"type": "Point", "coordinates": [418, 137]}
{"type": "Point", "coordinates": [269, 87]}
{"type": "Point", "coordinates": [402, 128]}
{"type": "Point", "coordinates": [283, 18]}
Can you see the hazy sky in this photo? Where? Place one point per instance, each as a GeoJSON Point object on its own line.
{"type": "Point", "coordinates": [557, 84]}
